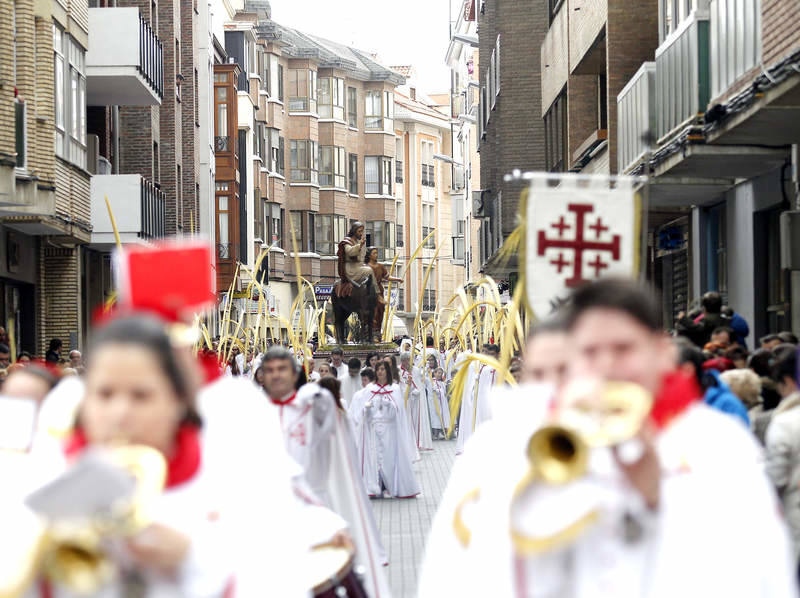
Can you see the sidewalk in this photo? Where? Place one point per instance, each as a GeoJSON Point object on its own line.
{"type": "Point", "coordinates": [404, 524]}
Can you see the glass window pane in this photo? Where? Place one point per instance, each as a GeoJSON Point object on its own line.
{"type": "Point", "coordinates": [371, 174]}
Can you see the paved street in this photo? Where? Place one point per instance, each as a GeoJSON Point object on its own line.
{"type": "Point", "coordinates": [404, 524]}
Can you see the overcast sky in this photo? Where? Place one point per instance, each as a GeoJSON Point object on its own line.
{"type": "Point", "coordinates": [400, 31]}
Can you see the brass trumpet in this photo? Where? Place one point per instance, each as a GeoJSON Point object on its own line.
{"type": "Point", "coordinates": [71, 552]}
{"type": "Point", "coordinates": [559, 453]}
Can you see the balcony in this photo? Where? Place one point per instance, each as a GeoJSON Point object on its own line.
{"type": "Point", "coordinates": [735, 41]}
{"type": "Point", "coordinates": [138, 208]}
{"type": "Point", "coordinates": [125, 60]}
{"type": "Point", "coordinates": [682, 75]}
{"type": "Point", "coordinates": [636, 110]}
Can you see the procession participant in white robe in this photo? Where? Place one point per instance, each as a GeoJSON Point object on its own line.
{"type": "Point", "coordinates": [385, 458]}
{"type": "Point", "coordinates": [644, 501]}
{"type": "Point", "coordinates": [417, 403]}
{"type": "Point", "coordinates": [337, 363]}
{"type": "Point", "coordinates": [438, 395]}
{"type": "Point", "coordinates": [486, 384]}
{"type": "Point", "coordinates": [465, 428]}
{"type": "Point", "coordinates": [355, 410]}
{"type": "Point", "coordinates": [138, 390]}
{"type": "Point", "coordinates": [351, 383]}
{"type": "Point", "coordinates": [434, 406]}
{"type": "Point", "coordinates": [318, 436]}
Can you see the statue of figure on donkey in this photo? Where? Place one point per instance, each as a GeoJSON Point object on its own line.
{"type": "Point", "coordinates": [356, 291]}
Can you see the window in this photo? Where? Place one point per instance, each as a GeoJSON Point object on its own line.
{"type": "Point", "coordinates": [352, 174]}
{"type": "Point", "coordinates": [352, 107]}
{"type": "Point", "coordinates": [426, 158]}
{"type": "Point", "coordinates": [380, 235]}
{"type": "Point", "coordinates": [398, 163]}
{"type": "Point", "coordinates": [303, 161]}
{"type": "Point", "coordinates": [429, 294]}
{"type": "Point", "coordinates": [302, 90]}
{"type": "Point", "coordinates": [400, 242]}
{"type": "Point", "coordinates": [555, 135]}
{"type": "Point", "coordinates": [156, 164]}
{"type": "Point", "coordinates": [280, 83]}
{"type": "Point", "coordinates": [332, 166]}
{"type": "Point", "coordinates": [258, 142]}
{"type": "Point", "coordinates": [379, 112]}
{"type": "Point", "coordinates": [331, 98]}
{"type": "Point", "coordinates": [429, 224]}
{"type": "Point", "coordinates": [496, 56]}
{"type": "Point", "coordinates": [259, 225]}
{"type": "Point", "coordinates": [378, 175]}
{"type": "Point", "coordinates": [222, 139]}
{"type": "Point", "coordinates": [602, 102]}
{"type": "Point", "coordinates": [274, 222]}
{"type": "Point", "coordinates": [330, 229]}
{"type": "Point", "coordinates": [70, 98]}
{"type": "Point", "coordinates": [302, 227]}
{"type": "Point", "coordinates": [177, 70]}
{"type": "Point", "coordinates": [20, 133]}
{"type": "Point", "coordinates": [196, 99]}
{"type": "Point", "coordinates": [386, 176]}
{"type": "Point", "coordinates": [224, 220]}
{"type": "Point", "coordinates": [274, 159]}
{"type": "Point", "coordinates": [400, 218]}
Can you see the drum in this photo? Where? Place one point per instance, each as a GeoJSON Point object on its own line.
{"type": "Point", "coordinates": [333, 574]}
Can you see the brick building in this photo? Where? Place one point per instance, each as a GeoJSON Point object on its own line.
{"type": "Point", "coordinates": [712, 115]}
{"type": "Point", "coordinates": [313, 145]}
{"type": "Point", "coordinates": [511, 130]}
{"type": "Point", "coordinates": [428, 201]}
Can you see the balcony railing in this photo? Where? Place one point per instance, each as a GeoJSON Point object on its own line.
{"type": "Point", "coordinates": [139, 209]}
{"type": "Point", "coordinates": [636, 110]}
{"type": "Point", "coordinates": [682, 77]}
{"type": "Point", "coordinates": [125, 59]}
{"type": "Point", "coordinates": [153, 202]}
{"type": "Point", "coordinates": [735, 41]}
{"type": "Point", "coordinates": [151, 57]}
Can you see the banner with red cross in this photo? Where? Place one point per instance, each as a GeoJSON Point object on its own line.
{"type": "Point", "coordinates": [585, 228]}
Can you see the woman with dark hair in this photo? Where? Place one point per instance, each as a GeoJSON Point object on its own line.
{"type": "Point", "coordinates": [385, 452]}
{"type": "Point", "coordinates": [139, 392]}
{"type": "Point", "coordinates": [333, 386]}
{"type": "Point", "coordinates": [371, 361]}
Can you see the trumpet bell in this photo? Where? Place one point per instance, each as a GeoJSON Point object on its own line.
{"type": "Point", "coordinates": [557, 455]}
{"type": "Point", "coordinates": [77, 561]}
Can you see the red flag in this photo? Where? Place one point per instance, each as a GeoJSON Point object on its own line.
{"type": "Point", "coordinates": [174, 280]}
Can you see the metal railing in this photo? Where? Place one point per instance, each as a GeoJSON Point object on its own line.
{"type": "Point", "coordinates": [682, 77]}
{"type": "Point", "coordinates": [735, 41]}
{"type": "Point", "coordinates": [636, 111]}
{"type": "Point", "coordinates": [151, 57]}
{"type": "Point", "coordinates": [153, 206]}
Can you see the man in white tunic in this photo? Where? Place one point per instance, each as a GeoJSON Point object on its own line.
{"type": "Point", "coordinates": [660, 504]}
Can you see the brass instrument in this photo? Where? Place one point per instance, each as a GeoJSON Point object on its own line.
{"type": "Point", "coordinates": [72, 551]}
{"type": "Point", "coordinates": [559, 453]}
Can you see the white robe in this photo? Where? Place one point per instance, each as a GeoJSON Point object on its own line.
{"type": "Point", "coordinates": [487, 383]}
{"type": "Point", "coordinates": [341, 370]}
{"type": "Point", "coordinates": [418, 408]}
{"type": "Point", "coordinates": [384, 455]}
{"type": "Point", "coordinates": [437, 399]}
{"type": "Point", "coordinates": [465, 427]}
{"type": "Point", "coordinates": [717, 531]}
{"type": "Point", "coordinates": [318, 436]}
{"type": "Point", "coordinates": [406, 407]}
{"type": "Point", "coordinates": [350, 385]}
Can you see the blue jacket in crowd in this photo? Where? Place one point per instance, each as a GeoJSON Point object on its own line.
{"type": "Point", "coordinates": [720, 397]}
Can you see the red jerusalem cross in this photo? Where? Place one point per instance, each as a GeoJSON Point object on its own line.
{"type": "Point", "coordinates": [579, 244]}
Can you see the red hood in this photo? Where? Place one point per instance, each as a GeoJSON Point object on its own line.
{"type": "Point", "coordinates": [678, 392]}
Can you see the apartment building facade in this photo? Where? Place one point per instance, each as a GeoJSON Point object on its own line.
{"type": "Point", "coordinates": [711, 116]}
{"type": "Point", "coordinates": [310, 150]}
{"type": "Point", "coordinates": [429, 202]}
{"type": "Point", "coordinates": [510, 130]}
{"type": "Point", "coordinates": [463, 106]}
